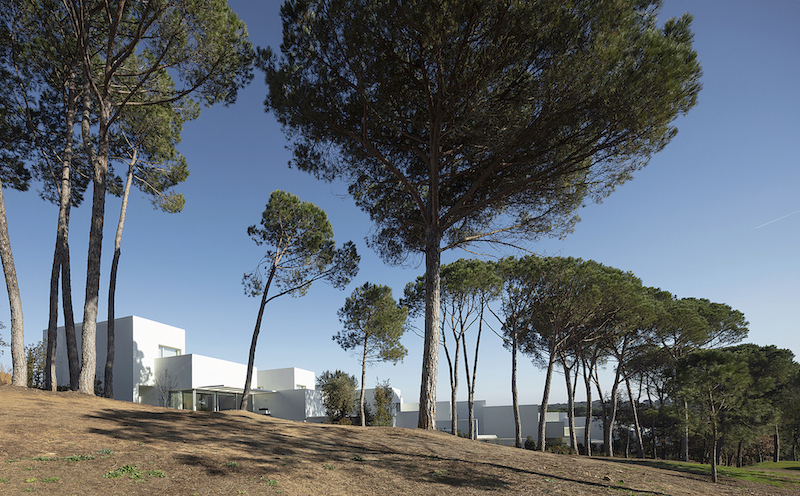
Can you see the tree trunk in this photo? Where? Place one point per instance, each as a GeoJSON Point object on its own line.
{"type": "Point", "coordinates": [50, 379]}
{"type": "Point", "coordinates": [100, 167]}
{"type": "Point", "coordinates": [587, 430]}
{"type": "Point", "coordinates": [454, 391]}
{"type": "Point", "coordinates": [471, 381]}
{"type": "Point", "coordinates": [713, 446]}
{"type": "Point", "coordinates": [685, 437]}
{"type": "Point", "coordinates": [108, 381]}
{"type": "Point", "coordinates": [739, 455]}
{"type": "Point", "coordinates": [608, 436]}
{"type": "Point", "coordinates": [776, 457]}
{"type": "Point", "coordinates": [514, 398]}
{"type": "Point", "coordinates": [450, 370]}
{"type": "Point", "coordinates": [605, 412]}
{"type": "Point", "coordinates": [573, 439]}
{"type": "Point", "coordinates": [252, 357]}
{"type": "Point", "coordinates": [653, 425]}
{"type": "Point", "coordinates": [430, 354]}
{"type": "Point", "coordinates": [636, 425]}
{"type": "Point", "coordinates": [545, 398]}
{"type": "Point", "coordinates": [19, 375]}
{"type": "Point", "coordinates": [62, 246]}
{"type": "Point", "coordinates": [608, 429]}
{"type": "Point", "coordinates": [69, 315]}
{"type": "Point", "coordinates": [363, 380]}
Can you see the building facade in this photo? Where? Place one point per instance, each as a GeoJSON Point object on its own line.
{"type": "Point", "coordinates": [151, 367]}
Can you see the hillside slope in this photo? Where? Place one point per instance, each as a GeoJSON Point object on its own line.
{"type": "Point", "coordinates": [68, 443]}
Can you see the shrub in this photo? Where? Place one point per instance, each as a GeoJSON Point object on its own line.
{"type": "Point", "coordinates": [384, 408]}
{"type": "Point", "coordinates": [530, 443]}
{"type": "Point", "coordinates": [556, 445]}
{"type": "Point", "coordinates": [338, 394]}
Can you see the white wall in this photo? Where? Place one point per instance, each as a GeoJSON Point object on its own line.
{"type": "Point", "coordinates": [176, 371]}
{"type": "Point", "coordinates": [123, 357]}
{"type": "Point", "coordinates": [287, 378]}
{"type": "Point", "coordinates": [148, 335]}
{"type": "Point", "coordinates": [291, 404]}
{"type": "Point", "coordinates": [208, 371]}
{"type": "Point", "coordinates": [499, 420]}
{"type": "Point", "coordinates": [136, 342]}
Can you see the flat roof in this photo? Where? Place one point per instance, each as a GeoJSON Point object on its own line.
{"type": "Point", "coordinates": [230, 389]}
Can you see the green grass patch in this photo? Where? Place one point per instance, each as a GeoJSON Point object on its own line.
{"type": "Point", "coordinates": [784, 465]}
{"type": "Point", "coordinates": [78, 458]}
{"type": "Point", "coordinates": [133, 473]}
{"type": "Point", "coordinates": [760, 473]}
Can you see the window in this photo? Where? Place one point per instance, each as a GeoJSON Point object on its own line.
{"type": "Point", "coordinates": [167, 351]}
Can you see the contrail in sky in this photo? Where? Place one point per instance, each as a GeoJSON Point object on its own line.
{"type": "Point", "coordinates": [776, 220]}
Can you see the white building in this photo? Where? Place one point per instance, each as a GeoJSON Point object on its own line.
{"type": "Point", "coordinates": [496, 423]}
{"type": "Point", "coordinates": [138, 343]}
{"type": "Point", "coordinates": [151, 367]}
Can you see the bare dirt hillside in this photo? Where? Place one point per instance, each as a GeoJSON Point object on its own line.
{"type": "Point", "coordinates": [68, 443]}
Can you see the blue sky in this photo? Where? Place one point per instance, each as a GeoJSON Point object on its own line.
{"type": "Point", "coordinates": [715, 215]}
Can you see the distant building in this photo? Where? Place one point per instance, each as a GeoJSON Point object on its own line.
{"type": "Point", "coordinates": [151, 367]}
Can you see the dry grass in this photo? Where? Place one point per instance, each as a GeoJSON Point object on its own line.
{"type": "Point", "coordinates": [64, 443]}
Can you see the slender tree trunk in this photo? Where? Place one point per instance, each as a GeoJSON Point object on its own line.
{"type": "Point", "coordinates": [65, 198]}
{"type": "Point", "coordinates": [450, 370]}
{"type": "Point", "coordinates": [605, 412]}
{"type": "Point", "coordinates": [69, 315]}
{"type": "Point", "coordinates": [430, 354]}
{"type": "Point", "coordinates": [636, 425]}
{"type": "Point", "coordinates": [713, 444]}
{"type": "Point", "coordinates": [471, 381]}
{"type": "Point", "coordinates": [514, 397]}
{"type": "Point", "coordinates": [587, 430]}
{"type": "Point", "coordinates": [653, 423]}
{"type": "Point", "coordinates": [605, 415]}
{"type": "Point", "coordinates": [100, 167]}
{"type": "Point", "coordinates": [545, 398]}
{"type": "Point", "coordinates": [573, 439]}
{"type": "Point", "coordinates": [454, 391]}
{"type": "Point", "coordinates": [363, 380]}
{"type": "Point", "coordinates": [685, 437]}
{"type": "Point", "coordinates": [19, 375]}
{"type": "Point", "coordinates": [776, 457]}
{"type": "Point", "coordinates": [108, 381]}
{"type": "Point", "coordinates": [50, 379]}
{"type": "Point", "coordinates": [609, 434]}
{"type": "Point", "coordinates": [739, 455]}
{"type": "Point", "coordinates": [723, 429]}
{"type": "Point", "coordinates": [252, 357]}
